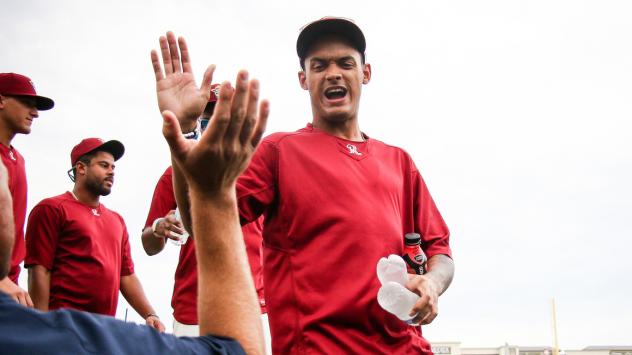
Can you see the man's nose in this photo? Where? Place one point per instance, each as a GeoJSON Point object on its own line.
{"type": "Point", "coordinates": [334, 76]}
{"type": "Point", "coordinates": [333, 73]}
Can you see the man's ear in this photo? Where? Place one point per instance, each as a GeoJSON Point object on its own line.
{"type": "Point", "coordinates": [302, 79]}
{"type": "Point", "coordinates": [366, 70]}
{"type": "Point", "coordinates": [80, 169]}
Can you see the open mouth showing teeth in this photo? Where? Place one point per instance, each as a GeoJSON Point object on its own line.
{"type": "Point", "coordinates": [335, 93]}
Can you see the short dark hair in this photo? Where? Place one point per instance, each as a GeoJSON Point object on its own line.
{"type": "Point", "coordinates": [337, 26]}
{"type": "Point", "coordinates": [306, 53]}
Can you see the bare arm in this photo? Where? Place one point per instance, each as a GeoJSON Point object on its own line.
{"type": "Point", "coordinates": [7, 235]}
{"type": "Point", "coordinates": [39, 286]}
{"type": "Point", "coordinates": [133, 292]}
{"type": "Point", "coordinates": [7, 227]}
{"type": "Point", "coordinates": [181, 193]}
{"type": "Point", "coordinates": [227, 303]}
{"type": "Point", "coordinates": [430, 286]}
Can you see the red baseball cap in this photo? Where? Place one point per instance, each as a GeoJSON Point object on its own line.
{"type": "Point", "coordinates": [13, 84]}
{"type": "Point", "coordinates": [339, 26]}
{"type": "Point", "coordinates": [90, 145]}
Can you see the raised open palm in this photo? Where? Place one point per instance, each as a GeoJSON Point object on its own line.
{"type": "Point", "coordinates": [175, 87]}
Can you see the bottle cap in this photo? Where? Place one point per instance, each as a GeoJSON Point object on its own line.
{"type": "Point", "coordinates": [412, 238]}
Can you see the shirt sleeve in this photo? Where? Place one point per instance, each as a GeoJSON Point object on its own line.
{"type": "Point", "coordinates": [127, 264]}
{"type": "Point", "coordinates": [163, 200]}
{"type": "Point", "coordinates": [256, 187]}
{"type": "Point", "coordinates": [435, 236]}
{"type": "Point", "coordinates": [42, 235]}
{"type": "Point", "coordinates": [73, 332]}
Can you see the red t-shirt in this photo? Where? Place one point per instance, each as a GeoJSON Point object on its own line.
{"type": "Point", "coordinates": [332, 208]}
{"type": "Point", "coordinates": [184, 299]}
{"type": "Point", "coordinates": [14, 162]}
{"type": "Point", "coordinates": [86, 250]}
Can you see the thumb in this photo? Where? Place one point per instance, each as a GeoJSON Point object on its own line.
{"type": "Point", "coordinates": [173, 135]}
{"type": "Point", "coordinates": [207, 79]}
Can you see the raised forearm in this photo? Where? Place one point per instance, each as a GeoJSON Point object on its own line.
{"type": "Point", "coordinates": [39, 286]}
{"type": "Point", "coordinates": [441, 271]}
{"type": "Point", "coordinates": [225, 289]}
{"type": "Point", "coordinates": [181, 193]}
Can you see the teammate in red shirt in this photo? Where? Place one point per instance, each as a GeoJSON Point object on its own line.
{"type": "Point", "coordinates": [78, 252]}
{"type": "Point", "coordinates": [335, 201]}
{"type": "Point", "coordinates": [19, 105]}
{"type": "Point", "coordinates": [184, 296]}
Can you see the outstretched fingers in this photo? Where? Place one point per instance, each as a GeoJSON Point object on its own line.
{"type": "Point", "coordinates": [205, 87]}
{"type": "Point", "coordinates": [184, 52]}
{"type": "Point", "coordinates": [218, 124]}
{"type": "Point", "coordinates": [173, 51]}
{"type": "Point", "coordinates": [239, 107]}
{"type": "Point", "coordinates": [262, 122]}
{"type": "Point", "coordinates": [155, 62]}
{"type": "Point", "coordinates": [166, 56]}
{"type": "Point", "coordinates": [251, 112]}
{"type": "Point", "coordinates": [239, 119]}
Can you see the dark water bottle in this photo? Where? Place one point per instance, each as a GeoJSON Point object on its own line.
{"type": "Point", "coordinates": [413, 255]}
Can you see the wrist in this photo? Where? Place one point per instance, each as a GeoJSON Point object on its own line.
{"type": "Point", "coordinates": [154, 226]}
{"type": "Point", "coordinates": [151, 315]}
{"type": "Point", "coordinates": [192, 132]}
{"type": "Point", "coordinates": [218, 197]}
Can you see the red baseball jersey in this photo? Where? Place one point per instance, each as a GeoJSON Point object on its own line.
{"type": "Point", "coordinates": [14, 162]}
{"type": "Point", "coordinates": [184, 299]}
{"type": "Point", "coordinates": [86, 250]}
{"type": "Point", "coordinates": [332, 208]}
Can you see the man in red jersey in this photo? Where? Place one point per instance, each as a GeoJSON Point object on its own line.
{"type": "Point", "coordinates": [78, 252]}
{"type": "Point", "coordinates": [162, 224]}
{"type": "Point", "coordinates": [335, 202]}
{"type": "Point", "coordinates": [19, 105]}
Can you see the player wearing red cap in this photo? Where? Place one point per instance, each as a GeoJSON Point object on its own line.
{"type": "Point", "coordinates": [78, 252]}
{"type": "Point", "coordinates": [162, 224]}
{"type": "Point", "coordinates": [19, 105]}
{"type": "Point", "coordinates": [335, 201]}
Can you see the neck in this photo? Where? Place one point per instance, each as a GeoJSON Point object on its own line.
{"type": "Point", "coordinates": [348, 129]}
{"type": "Point", "coordinates": [6, 135]}
{"type": "Point", "coordinates": [84, 196]}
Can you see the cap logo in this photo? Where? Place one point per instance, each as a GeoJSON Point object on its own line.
{"type": "Point", "coordinates": [32, 85]}
{"type": "Point", "coordinates": [215, 91]}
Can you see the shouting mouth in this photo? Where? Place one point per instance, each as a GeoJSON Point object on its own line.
{"type": "Point", "coordinates": [335, 93]}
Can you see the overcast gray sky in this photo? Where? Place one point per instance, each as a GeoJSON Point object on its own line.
{"type": "Point", "coordinates": [517, 113]}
